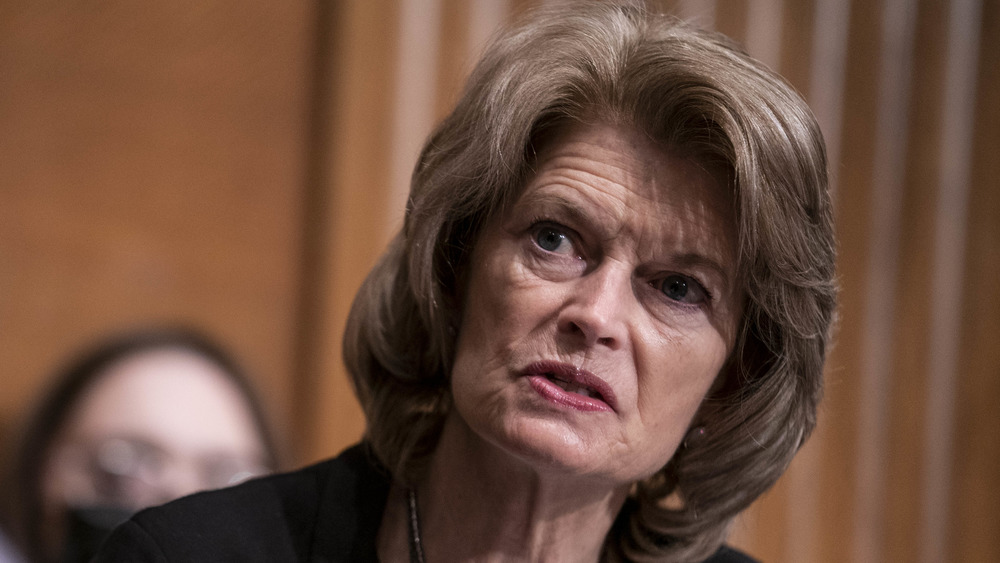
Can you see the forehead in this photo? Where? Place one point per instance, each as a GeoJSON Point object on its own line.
{"type": "Point", "coordinates": [168, 396]}
{"type": "Point", "coordinates": [645, 187]}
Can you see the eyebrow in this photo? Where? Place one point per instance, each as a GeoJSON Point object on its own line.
{"type": "Point", "coordinates": [570, 206]}
{"type": "Point", "coordinates": [537, 198]}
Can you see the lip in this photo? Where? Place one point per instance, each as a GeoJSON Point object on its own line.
{"type": "Point", "coordinates": [538, 374]}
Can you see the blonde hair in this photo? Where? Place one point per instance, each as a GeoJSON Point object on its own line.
{"type": "Point", "coordinates": [700, 94]}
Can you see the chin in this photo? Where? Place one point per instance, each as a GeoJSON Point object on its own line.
{"type": "Point", "coordinates": [546, 447]}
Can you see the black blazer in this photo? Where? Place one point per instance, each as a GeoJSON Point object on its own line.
{"type": "Point", "coordinates": [326, 513]}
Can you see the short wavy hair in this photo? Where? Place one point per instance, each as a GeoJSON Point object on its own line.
{"type": "Point", "coordinates": [699, 94]}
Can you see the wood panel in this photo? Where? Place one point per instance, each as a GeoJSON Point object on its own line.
{"type": "Point", "coordinates": [362, 45]}
{"type": "Point", "coordinates": [152, 157]}
{"type": "Point", "coordinates": [908, 374]}
{"type": "Point", "coordinates": [975, 495]}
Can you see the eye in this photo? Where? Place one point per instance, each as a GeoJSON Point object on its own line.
{"type": "Point", "coordinates": [683, 289]}
{"type": "Point", "coordinates": [551, 239]}
{"type": "Point", "coordinates": [553, 251]}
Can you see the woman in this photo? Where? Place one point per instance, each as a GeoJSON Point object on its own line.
{"type": "Point", "coordinates": [600, 333]}
{"type": "Point", "coordinates": [139, 419]}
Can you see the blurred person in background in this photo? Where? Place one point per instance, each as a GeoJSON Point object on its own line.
{"type": "Point", "coordinates": [137, 420]}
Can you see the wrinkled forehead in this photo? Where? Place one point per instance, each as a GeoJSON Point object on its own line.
{"type": "Point", "coordinates": [620, 162]}
{"type": "Point", "coordinates": [644, 145]}
{"type": "Point", "coordinates": [166, 395]}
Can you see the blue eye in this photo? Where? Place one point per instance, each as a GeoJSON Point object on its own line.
{"type": "Point", "coordinates": [549, 239]}
{"type": "Point", "coordinates": [683, 289]}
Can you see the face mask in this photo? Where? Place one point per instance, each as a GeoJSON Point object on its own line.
{"type": "Point", "coordinates": [87, 527]}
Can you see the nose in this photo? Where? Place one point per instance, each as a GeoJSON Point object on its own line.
{"type": "Point", "coordinates": [596, 307]}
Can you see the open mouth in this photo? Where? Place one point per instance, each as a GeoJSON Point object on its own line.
{"type": "Point", "coordinates": [573, 387]}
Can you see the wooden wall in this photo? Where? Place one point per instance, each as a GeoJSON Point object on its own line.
{"type": "Point", "coordinates": [152, 171]}
{"type": "Point", "coordinates": [239, 165]}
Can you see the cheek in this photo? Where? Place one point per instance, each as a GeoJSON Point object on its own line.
{"type": "Point", "coordinates": [675, 380]}
{"type": "Point", "coordinates": [479, 340]}
{"type": "Point", "coordinates": [502, 301]}
{"type": "Point", "coordinates": [474, 332]}
{"type": "Point", "coordinates": [502, 312]}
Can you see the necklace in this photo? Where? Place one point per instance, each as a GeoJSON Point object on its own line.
{"type": "Point", "coordinates": [416, 546]}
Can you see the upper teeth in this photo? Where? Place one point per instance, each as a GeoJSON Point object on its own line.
{"type": "Point", "coordinates": [571, 387]}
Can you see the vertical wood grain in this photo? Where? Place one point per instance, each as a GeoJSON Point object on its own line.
{"type": "Point", "coordinates": [975, 493]}
{"type": "Point", "coordinates": [830, 32]}
{"type": "Point", "coordinates": [839, 429]}
{"type": "Point", "coordinates": [730, 18]}
{"type": "Point", "coordinates": [910, 345]}
{"type": "Point", "coordinates": [152, 159]}
{"type": "Point", "coordinates": [363, 48]}
{"type": "Point", "coordinates": [459, 25]}
{"type": "Point", "coordinates": [953, 179]}
{"type": "Point", "coordinates": [889, 166]}
{"type": "Point", "coordinates": [414, 101]}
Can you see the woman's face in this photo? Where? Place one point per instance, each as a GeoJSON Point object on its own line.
{"type": "Point", "coordinates": [155, 426]}
{"type": "Point", "coordinates": [599, 308]}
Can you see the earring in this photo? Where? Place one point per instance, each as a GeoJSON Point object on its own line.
{"type": "Point", "coordinates": [694, 436]}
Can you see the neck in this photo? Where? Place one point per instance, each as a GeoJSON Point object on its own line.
{"type": "Point", "coordinates": [478, 503]}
